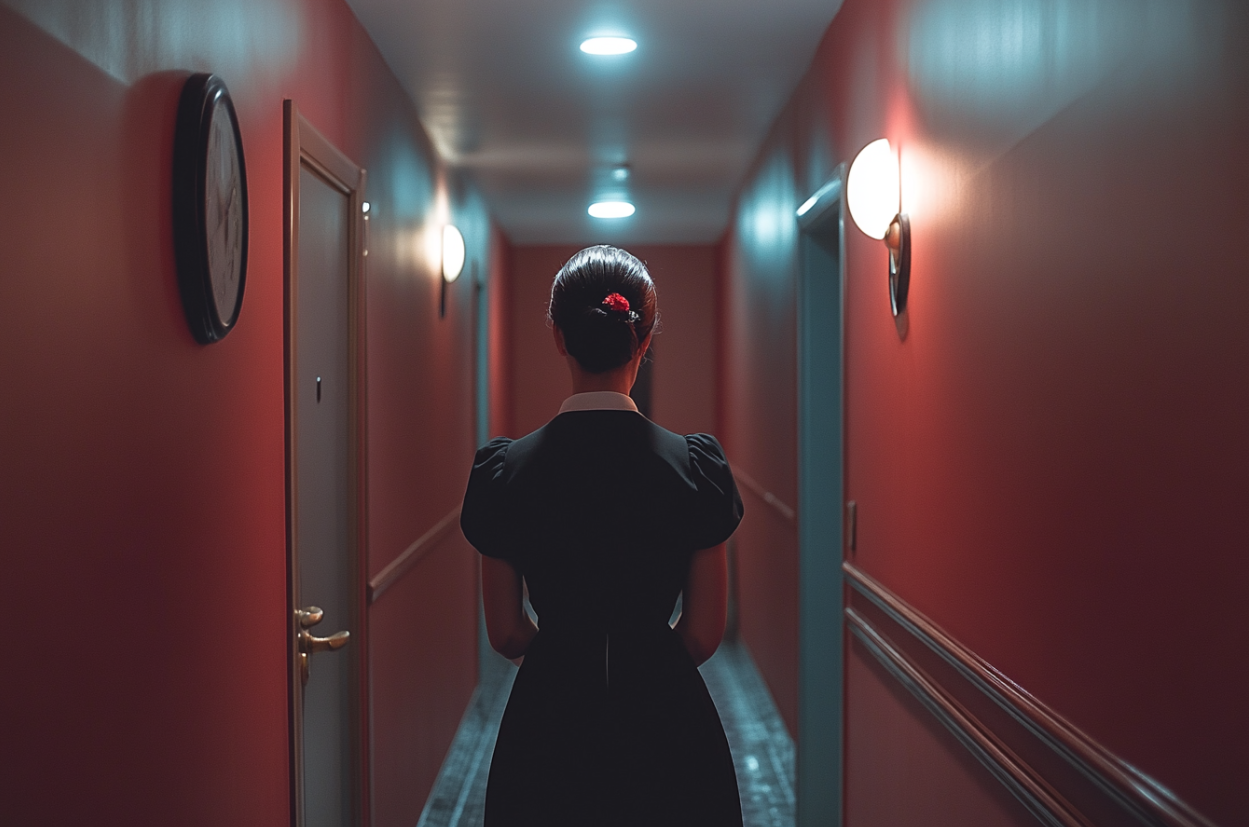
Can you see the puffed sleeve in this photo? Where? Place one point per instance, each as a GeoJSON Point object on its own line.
{"type": "Point", "coordinates": [717, 507]}
{"type": "Point", "coordinates": [482, 518]}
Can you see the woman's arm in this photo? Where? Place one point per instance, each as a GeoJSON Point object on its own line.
{"type": "Point", "coordinates": [507, 624]}
{"type": "Point", "coordinates": [705, 603]}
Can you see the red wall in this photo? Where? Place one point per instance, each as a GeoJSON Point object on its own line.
{"type": "Point", "coordinates": [142, 524]}
{"type": "Point", "coordinates": [1052, 463]}
{"type": "Point", "coordinates": [907, 768]}
{"type": "Point", "coordinates": [499, 341]}
{"type": "Point", "coordinates": [538, 374]}
{"type": "Point", "coordinates": [684, 380]}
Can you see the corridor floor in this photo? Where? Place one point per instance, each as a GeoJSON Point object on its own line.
{"type": "Point", "coordinates": [763, 752]}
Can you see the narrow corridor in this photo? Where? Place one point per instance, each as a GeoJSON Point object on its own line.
{"type": "Point", "coordinates": [763, 752]}
{"type": "Point", "coordinates": [955, 285]}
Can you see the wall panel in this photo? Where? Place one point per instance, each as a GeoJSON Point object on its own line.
{"type": "Point", "coordinates": [142, 500]}
{"type": "Point", "coordinates": [906, 768]}
{"type": "Point", "coordinates": [428, 621]}
{"type": "Point", "coordinates": [1050, 462]}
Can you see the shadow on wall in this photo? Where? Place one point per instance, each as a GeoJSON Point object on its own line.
{"type": "Point", "coordinates": [148, 124]}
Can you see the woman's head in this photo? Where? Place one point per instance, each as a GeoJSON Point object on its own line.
{"type": "Point", "coordinates": [599, 332]}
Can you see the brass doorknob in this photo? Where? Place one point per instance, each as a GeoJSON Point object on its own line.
{"type": "Point", "coordinates": [309, 617]}
{"type": "Point", "coordinates": [310, 643]}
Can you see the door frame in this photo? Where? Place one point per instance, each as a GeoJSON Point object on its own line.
{"type": "Point", "coordinates": [304, 145]}
{"type": "Point", "coordinates": [821, 483]}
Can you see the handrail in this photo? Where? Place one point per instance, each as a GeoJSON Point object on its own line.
{"type": "Point", "coordinates": [400, 566]}
{"type": "Point", "coordinates": [1137, 793]}
{"type": "Point", "coordinates": [748, 482]}
{"type": "Point", "coordinates": [1043, 801]}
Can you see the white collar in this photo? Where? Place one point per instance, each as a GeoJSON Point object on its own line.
{"type": "Point", "coordinates": [598, 401]}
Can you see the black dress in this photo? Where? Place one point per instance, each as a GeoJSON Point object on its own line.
{"type": "Point", "coordinates": [609, 722]}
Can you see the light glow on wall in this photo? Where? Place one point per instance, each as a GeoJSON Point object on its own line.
{"type": "Point", "coordinates": [872, 188]}
{"type": "Point", "coordinates": [608, 45]}
{"type": "Point", "coordinates": [429, 249]}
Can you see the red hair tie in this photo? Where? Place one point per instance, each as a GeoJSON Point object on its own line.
{"type": "Point", "coordinates": [617, 302]}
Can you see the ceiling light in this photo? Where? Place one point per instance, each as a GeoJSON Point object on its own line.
{"type": "Point", "coordinates": [608, 46]}
{"type": "Point", "coordinates": [611, 209]}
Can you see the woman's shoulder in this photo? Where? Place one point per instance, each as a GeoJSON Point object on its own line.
{"type": "Point", "coordinates": [717, 506]}
{"type": "Point", "coordinates": [490, 457]}
{"type": "Point", "coordinates": [479, 512]}
{"type": "Point", "coordinates": [707, 461]}
{"type": "Point", "coordinates": [697, 457]}
{"type": "Point", "coordinates": [504, 450]}
{"type": "Point", "coordinates": [705, 448]}
{"type": "Point", "coordinates": [696, 453]}
{"type": "Point", "coordinates": [498, 445]}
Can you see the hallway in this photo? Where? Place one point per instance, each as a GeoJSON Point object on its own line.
{"type": "Point", "coordinates": [763, 752]}
{"type": "Point", "coordinates": [956, 284]}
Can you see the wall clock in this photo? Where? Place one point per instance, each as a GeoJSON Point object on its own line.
{"type": "Point", "coordinates": [209, 208]}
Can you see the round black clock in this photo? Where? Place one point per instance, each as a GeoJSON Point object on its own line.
{"type": "Point", "coordinates": [209, 208]}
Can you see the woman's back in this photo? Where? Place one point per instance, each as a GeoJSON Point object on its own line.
{"type": "Point", "coordinates": [609, 722]}
{"type": "Point", "coordinates": [599, 511]}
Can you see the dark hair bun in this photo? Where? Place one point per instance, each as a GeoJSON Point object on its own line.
{"type": "Point", "coordinates": [603, 301]}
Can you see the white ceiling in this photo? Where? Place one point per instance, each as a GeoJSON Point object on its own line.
{"type": "Point", "coordinates": [507, 95]}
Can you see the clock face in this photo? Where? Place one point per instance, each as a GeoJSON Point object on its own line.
{"type": "Point", "coordinates": [223, 214]}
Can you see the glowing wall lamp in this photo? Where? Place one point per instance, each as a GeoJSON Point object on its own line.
{"type": "Point", "coordinates": [452, 262]}
{"type": "Point", "coordinates": [873, 190]}
{"type": "Point", "coordinates": [452, 253]}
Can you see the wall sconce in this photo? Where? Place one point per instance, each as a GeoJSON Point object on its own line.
{"type": "Point", "coordinates": [452, 262]}
{"type": "Point", "coordinates": [873, 190]}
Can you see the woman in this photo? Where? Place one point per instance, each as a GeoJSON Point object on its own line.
{"type": "Point", "coordinates": [607, 518]}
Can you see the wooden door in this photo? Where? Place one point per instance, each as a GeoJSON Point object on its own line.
{"type": "Point", "coordinates": [325, 473]}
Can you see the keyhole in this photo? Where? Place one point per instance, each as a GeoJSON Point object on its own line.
{"type": "Point", "coordinates": [318, 390]}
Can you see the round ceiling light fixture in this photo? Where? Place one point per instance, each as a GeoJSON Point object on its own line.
{"type": "Point", "coordinates": [611, 209]}
{"type": "Point", "coordinates": [608, 45]}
